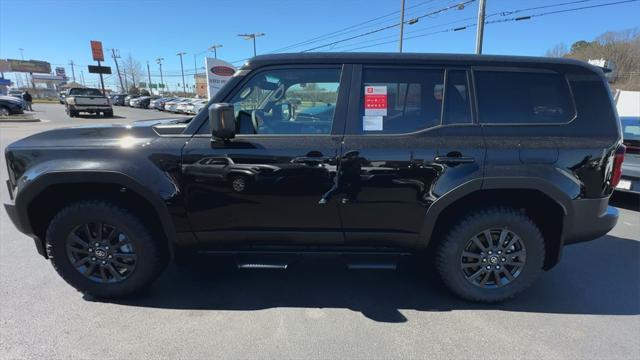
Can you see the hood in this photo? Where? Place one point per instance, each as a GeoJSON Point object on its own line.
{"type": "Point", "coordinates": [97, 136]}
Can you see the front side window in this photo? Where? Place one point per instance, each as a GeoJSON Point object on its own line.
{"type": "Point", "coordinates": [523, 98]}
{"type": "Point", "coordinates": [287, 102]}
{"type": "Point", "coordinates": [398, 101]}
{"type": "Point", "coordinates": [457, 100]}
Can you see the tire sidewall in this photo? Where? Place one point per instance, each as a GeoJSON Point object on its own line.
{"type": "Point", "coordinates": [74, 216]}
{"type": "Point", "coordinates": [518, 224]}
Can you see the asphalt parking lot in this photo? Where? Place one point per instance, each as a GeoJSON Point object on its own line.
{"type": "Point", "coordinates": [586, 307]}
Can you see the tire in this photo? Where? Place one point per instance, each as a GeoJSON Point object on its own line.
{"type": "Point", "coordinates": [240, 183]}
{"type": "Point", "coordinates": [133, 245]}
{"type": "Point", "coordinates": [73, 113]}
{"type": "Point", "coordinates": [108, 114]}
{"type": "Point", "coordinates": [4, 111]}
{"type": "Point", "coordinates": [464, 278]}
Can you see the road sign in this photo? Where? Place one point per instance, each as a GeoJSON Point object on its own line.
{"type": "Point", "coordinates": [99, 69]}
{"type": "Point", "coordinates": [96, 50]}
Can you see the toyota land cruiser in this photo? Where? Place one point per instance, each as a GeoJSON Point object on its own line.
{"type": "Point", "coordinates": [490, 163]}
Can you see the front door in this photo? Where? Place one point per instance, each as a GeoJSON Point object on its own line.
{"type": "Point", "coordinates": [266, 185]}
{"type": "Point", "coordinates": [408, 141]}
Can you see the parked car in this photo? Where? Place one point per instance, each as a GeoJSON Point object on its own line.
{"type": "Point", "coordinates": [196, 106]}
{"type": "Point", "coordinates": [62, 95]}
{"type": "Point", "coordinates": [87, 100]}
{"type": "Point", "coordinates": [10, 105]}
{"type": "Point", "coordinates": [172, 106]}
{"type": "Point", "coordinates": [118, 99]}
{"type": "Point", "coordinates": [15, 93]}
{"type": "Point", "coordinates": [140, 102]}
{"type": "Point", "coordinates": [630, 178]}
{"type": "Point", "coordinates": [128, 98]}
{"type": "Point", "coordinates": [492, 176]}
{"type": "Point", "coordinates": [155, 103]}
{"type": "Point", "coordinates": [182, 107]}
{"type": "Point", "coordinates": [162, 103]}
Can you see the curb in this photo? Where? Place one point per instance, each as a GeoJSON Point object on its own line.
{"type": "Point", "coordinates": [18, 120]}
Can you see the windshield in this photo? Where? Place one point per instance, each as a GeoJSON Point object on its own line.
{"type": "Point", "coordinates": [630, 128]}
{"type": "Point", "coordinates": [85, 92]}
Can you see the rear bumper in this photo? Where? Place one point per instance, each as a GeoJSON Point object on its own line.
{"type": "Point", "coordinates": [591, 219]}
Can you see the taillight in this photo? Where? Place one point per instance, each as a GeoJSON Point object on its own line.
{"type": "Point", "coordinates": [617, 165]}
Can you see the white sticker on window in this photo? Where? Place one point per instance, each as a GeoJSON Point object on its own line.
{"type": "Point", "coordinates": [375, 100]}
{"type": "Point", "coordinates": [372, 123]}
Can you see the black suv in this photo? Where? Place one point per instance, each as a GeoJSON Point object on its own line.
{"type": "Point", "coordinates": [490, 163]}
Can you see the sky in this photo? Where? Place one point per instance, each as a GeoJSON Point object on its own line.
{"type": "Point", "coordinates": [58, 31]}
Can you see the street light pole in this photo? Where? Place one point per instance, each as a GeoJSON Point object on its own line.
{"type": "Point", "coordinates": [184, 89]}
{"type": "Point", "coordinates": [253, 37]}
{"type": "Point", "coordinates": [480, 31]}
{"type": "Point", "coordinates": [159, 62]}
{"type": "Point", "coordinates": [401, 24]}
{"type": "Point", "coordinates": [149, 75]}
{"type": "Point", "coordinates": [215, 48]}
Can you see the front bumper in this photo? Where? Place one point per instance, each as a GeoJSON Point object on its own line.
{"type": "Point", "coordinates": [90, 108]}
{"type": "Point", "coordinates": [24, 228]}
{"type": "Point", "coordinates": [589, 220]}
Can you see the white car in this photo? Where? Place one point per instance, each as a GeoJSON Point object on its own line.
{"type": "Point", "coordinates": [196, 106]}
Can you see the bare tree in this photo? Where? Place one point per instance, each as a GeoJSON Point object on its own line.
{"type": "Point", "coordinates": [559, 50]}
{"type": "Point", "coordinates": [622, 48]}
{"type": "Point", "coordinates": [132, 70]}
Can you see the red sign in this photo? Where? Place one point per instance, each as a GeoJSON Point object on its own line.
{"type": "Point", "coordinates": [96, 50]}
{"type": "Point", "coordinates": [223, 70]}
{"type": "Point", "coordinates": [375, 102]}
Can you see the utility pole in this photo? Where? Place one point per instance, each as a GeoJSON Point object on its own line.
{"type": "Point", "coordinates": [253, 37]}
{"type": "Point", "coordinates": [82, 77]}
{"type": "Point", "coordinates": [401, 24]}
{"type": "Point", "coordinates": [73, 71]}
{"type": "Point", "coordinates": [184, 89]}
{"type": "Point", "coordinates": [26, 77]}
{"type": "Point", "coordinates": [215, 48]}
{"type": "Point", "coordinates": [480, 32]}
{"type": "Point", "coordinates": [159, 62]}
{"type": "Point", "coordinates": [149, 75]}
{"type": "Point", "coordinates": [115, 54]}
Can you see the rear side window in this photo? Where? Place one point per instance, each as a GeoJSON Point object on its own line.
{"type": "Point", "coordinates": [457, 100]}
{"type": "Point", "coordinates": [398, 101]}
{"type": "Point", "coordinates": [523, 98]}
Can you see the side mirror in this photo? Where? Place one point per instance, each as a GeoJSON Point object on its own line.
{"type": "Point", "coordinates": [287, 111]}
{"type": "Point", "coordinates": [222, 120]}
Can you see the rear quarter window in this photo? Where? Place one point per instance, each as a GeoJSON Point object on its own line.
{"type": "Point", "coordinates": [506, 97]}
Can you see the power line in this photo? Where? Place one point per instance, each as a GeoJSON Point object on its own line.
{"type": "Point", "coordinates": [519, 18]}
{"type": "Point", "coordinates": [459, 6]}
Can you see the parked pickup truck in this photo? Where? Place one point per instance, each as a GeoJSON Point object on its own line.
{"type": "Point", "coordinates": [492, 164]}
{"type": "Point", "coordinates": [88, 100]}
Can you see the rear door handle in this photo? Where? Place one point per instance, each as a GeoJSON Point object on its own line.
{"type": "Point", "coordinates": [454, 159]}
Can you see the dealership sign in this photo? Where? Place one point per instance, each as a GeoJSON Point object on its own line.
{"type": "Point", "coordinates": [96, 50]}
{"type": "Point", "coordinates": [28, 66]}
{"type": "Point", "coordinates": [218, 73]}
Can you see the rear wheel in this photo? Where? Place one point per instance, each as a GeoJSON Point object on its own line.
{"type": "Point", "coordinates": [491, 255]}
{"type": "Point", "coordinates": [103, 250]}
{"type": "Point", "coordinates": [4, 111]}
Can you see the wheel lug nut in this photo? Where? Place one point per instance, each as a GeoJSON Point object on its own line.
{"type": "Point", "coordinates": [104, 262]}
{"type": "Point", "coordinates": [503, 259]}
{"type": "Point", "coordinates": [90, 250]}
{"type": "Point", "coordinates": [484, 260]}
{"type": "Point", "coordinates": [490, 252]}
{"type": "Point", "coordinates": [97, 244]}
{"type": "Point", "coordinates": [94, 259]}
{"type": "Point", "coordinates": [499, 252]}
{"type": "Point", "coordinates": [110, 256]}
{"type": "Point", "coordinates": [107, 248]}
{"type": "Point", "coordinates": [488, 267]}
{"type": "Point", "coordinates": [498, 267]}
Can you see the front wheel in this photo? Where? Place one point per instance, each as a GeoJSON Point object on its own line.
{"type": "Point", "coordinates": [491, 255]}
{"type": "Point", "coordinates": [103, 250]}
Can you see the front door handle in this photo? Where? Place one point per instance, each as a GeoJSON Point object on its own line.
{"type": "Point", "coordinates": [454, 159]}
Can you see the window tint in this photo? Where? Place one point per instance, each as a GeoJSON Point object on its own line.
{"type": "Point", "coordinates": [519, 97]}
{"type": "Point", "coordinates": [287, 101]}
{"type": "Point", "coordinates": [396, 101]}
{"type": "Point", "coordinates": [457, 103]}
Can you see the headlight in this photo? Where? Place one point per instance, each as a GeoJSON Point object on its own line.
{"type": "Point", "coordinates": [71, 101]}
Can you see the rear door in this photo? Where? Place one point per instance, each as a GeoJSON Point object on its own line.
{"type": "Point", "coordinates": [409, 140]}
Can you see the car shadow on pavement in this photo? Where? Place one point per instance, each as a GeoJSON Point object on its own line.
{"type": "Point", "coordinates": [601, 277]}
{"type": "Point", "coordinates": [99, 117]}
